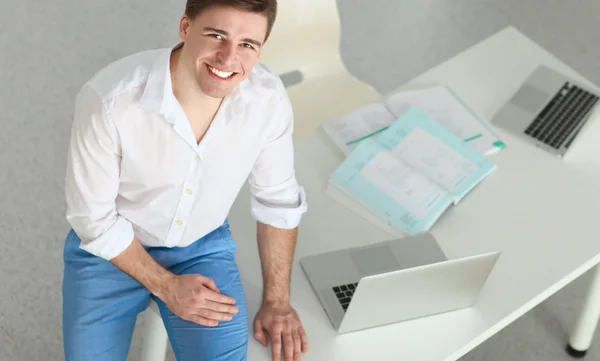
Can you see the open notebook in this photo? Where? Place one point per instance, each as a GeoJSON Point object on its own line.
{"type": "Point", "coordinates": [405, 179]}
{"type": "Point", "coordinates": [439, 102]}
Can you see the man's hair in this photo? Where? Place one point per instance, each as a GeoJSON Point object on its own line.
{"type": "Point", "coordinates": [268, 8]}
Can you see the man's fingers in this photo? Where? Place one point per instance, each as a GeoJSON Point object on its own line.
{"type": "Point", "coordinates": [221, 307]}
{"type": "Point", "coordinates": [212, 315]}
{"type": "Point", "coordinates": [209, 283]}
{"type": "Point", "coordinates": [259, 333]}
{"type": "Point", "coordinates": [218, 297]}
{"type": "Point", "coordinates": [297, 345]}
{"type": "Point", "coordinates": [303, 339]}
{"type": "Point", "coordinates": [288, 345]}
{"type": "Point", "coordinates": [275, 335]}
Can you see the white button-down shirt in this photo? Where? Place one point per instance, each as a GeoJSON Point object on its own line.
{"type": "Point", "coordinates": [134, 167]}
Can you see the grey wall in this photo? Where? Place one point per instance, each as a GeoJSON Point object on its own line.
{"type": "Point", "coordinates": [49, 48]}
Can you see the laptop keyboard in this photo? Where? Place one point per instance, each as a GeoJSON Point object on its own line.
{"type": "Point", "coordinates": [344, 294]}
{"type": "Point", "coordinates": [567, 109]}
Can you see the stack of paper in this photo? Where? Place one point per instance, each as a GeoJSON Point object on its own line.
{"type": "Point", "coordinates": [440, 103]}
{"type": "Point", "coordinates": [407, 175]}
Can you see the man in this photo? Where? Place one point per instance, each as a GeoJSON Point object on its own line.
{"type": "Point", "coordinates": [162, 142]}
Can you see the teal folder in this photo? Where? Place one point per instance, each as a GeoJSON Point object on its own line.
{"type": "Point", "coordinates": [410, 174]}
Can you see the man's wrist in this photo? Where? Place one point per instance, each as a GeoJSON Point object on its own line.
{"type": "Point", "coordinates": [137, 262]}
{"type": "Point", "coordinates": [273, 299]}
{"type": "Point", "coordinates": [163, 287]}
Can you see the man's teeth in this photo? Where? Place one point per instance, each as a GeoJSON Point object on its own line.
{"type": "Point", "coordinates": [220, 74]}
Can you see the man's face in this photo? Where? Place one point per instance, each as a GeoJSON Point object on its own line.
{"type": "Point", "coordinates": [222, 45]}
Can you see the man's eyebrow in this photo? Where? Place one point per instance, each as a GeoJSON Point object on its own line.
{"type": "Point", "coordinates": [223, 32]}
{"type": "Point", "coordinates": [252, 41]}
{"type": "Point", "coordinates": [219, 31]}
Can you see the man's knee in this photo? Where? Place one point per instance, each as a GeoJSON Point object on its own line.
{"type": "Point", "coordinates": [228, 341]}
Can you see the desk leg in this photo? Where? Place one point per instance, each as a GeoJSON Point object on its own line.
{"type": "Point", "coordinates": [585, 327]}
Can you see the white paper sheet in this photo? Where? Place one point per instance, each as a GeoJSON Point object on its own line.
{"type": "Point", "coordinates": [443, 106]}
{"type": "Point", "coordinates": [435, 159]}
{"type": "Point", "coordinates": [402, 183]}
{"type": "Point", "coordinates": [348, 130]}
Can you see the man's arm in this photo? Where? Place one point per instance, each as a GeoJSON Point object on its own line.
{"type": "Point", "coordinates": [136, 262]}
{"type": "Point", "coordinates": [91, 188]}
{"type": "Point", "coordinates": [276, 316]}
{"type": "Point", "coordinates": [276, 250]}
{"type": "Point", "coordinates": [277, 203]}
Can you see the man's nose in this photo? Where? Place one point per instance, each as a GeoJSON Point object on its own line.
{"type": "Point", "coordinates": [226, 54]}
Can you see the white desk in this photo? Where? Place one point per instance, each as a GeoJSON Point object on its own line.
{"type": "Point", "coordinates": [539, 211]}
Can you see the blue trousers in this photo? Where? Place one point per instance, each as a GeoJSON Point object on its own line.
{"type": "Point", "coordinates": [101, 303]}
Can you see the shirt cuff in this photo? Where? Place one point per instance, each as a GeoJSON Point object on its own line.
{"type": "Point", "coordinates": [279, 216]}
{"type": "Point", "coordinates": [112, 242]}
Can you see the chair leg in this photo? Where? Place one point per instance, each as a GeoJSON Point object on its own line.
{"type": "Point", "coordinates": [154, 336]}
{"type": "Point", "coordinates": [585, 327]}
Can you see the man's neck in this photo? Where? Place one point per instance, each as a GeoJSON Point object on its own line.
{"type": "Point", "coordinates": [188, 93]}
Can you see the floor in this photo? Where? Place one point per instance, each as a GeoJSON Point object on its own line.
{"type": "Point", "coordinates": [50, 48]}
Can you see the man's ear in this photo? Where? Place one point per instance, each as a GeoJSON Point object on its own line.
{"type": "Point", "coordinates": [184, 26]}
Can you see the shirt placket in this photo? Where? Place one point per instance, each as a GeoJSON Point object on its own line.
{"type": "Point", "coordinates": [186, 201]}
{"type": "Point", "coordinates": [181, 217]}
{"type": "Point", "coordinates": [194, 173]}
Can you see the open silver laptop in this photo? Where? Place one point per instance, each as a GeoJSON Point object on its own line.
{"type": "Point", "coordinates": [392, 281]}
{"type": "Point", "coordinates": [548, 110]}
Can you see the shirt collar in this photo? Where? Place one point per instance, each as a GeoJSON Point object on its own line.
{"type": "Point", "coordinates": [158, 93]}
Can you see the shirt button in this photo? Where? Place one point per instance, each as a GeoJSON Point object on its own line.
{"type": "Point", "coordinates": [197, 157]}
{"type": "Point", "coordinates": [179, 222]}
{"type": "Point", "coordinates": [189, 191]}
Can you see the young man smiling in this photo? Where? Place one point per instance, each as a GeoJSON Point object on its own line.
{"type": "Point", "coordinates": [161, 143]}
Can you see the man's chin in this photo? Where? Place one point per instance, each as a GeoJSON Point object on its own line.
{"type": "Point", "coordinates": [214, 92]}
{"type": "Point", "coordinates": [217, 94]}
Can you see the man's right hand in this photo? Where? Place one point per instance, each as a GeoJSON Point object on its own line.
{"type": "Point", "coordinates": [192, 297]}
{"type": "Point", "coordinates": [196, 298]}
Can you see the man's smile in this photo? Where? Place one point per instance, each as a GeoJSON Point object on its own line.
{"type": "Point", "coordinates": [223, 75]}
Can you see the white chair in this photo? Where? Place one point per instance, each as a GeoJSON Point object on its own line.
{"type": "Point", "coordinates": [154, 335]}
{"type": "Point", "coordinates": [305, 42]}
{"type": "Point", "coordinates": [304, 46]}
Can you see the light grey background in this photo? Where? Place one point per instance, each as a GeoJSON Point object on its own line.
{"type": "Point", "coordinates": [49, 48]}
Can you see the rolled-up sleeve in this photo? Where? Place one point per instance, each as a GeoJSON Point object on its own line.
{"type": "Point", "coordinates": [277, 199]}
{"type": "Point", "coordinates": [92, 179]}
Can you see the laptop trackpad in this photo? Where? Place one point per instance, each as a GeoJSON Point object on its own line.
{"type": "Point", "coordinates": [374, 260]}
{"type": "Point", "coordinates": [530, 98]}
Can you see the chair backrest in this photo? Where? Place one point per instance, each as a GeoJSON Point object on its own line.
{"type": "Point", "coordinates": [304, 40]}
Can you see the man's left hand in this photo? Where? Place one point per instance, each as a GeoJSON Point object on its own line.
{"type": "Point", "coordinates": [284, 329]}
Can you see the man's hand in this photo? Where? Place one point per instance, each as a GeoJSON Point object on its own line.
{"type": "Point", "coordinates": [284, 329]}
{"type": "Point", "coordinates": [196, 298]}
{"type": "Point", "coordinates": [192, 297]}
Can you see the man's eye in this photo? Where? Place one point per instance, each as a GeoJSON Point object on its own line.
{"type": "Point", "coordinates": [217, 36]}
{"type": "Point", "coordinates": [246, 45]}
